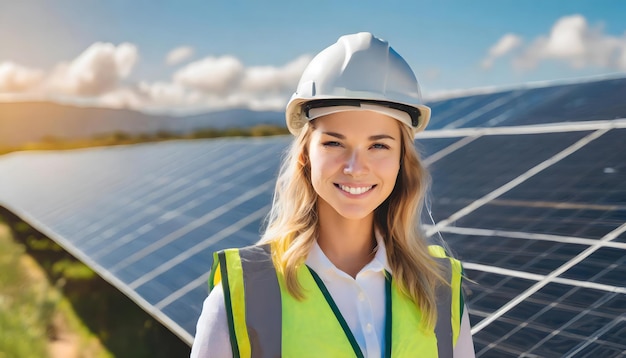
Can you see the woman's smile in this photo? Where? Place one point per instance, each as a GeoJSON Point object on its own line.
{"type": "Point", "coordinates": [355, 190]}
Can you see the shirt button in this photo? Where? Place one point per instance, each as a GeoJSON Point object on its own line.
{"type": "Point", "coordinates": [368, 327]}
{"type": "Point", "coordinates": [361, 296]}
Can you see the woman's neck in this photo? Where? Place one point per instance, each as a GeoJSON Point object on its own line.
{"type": "Point", "coordinates": [348, 244]}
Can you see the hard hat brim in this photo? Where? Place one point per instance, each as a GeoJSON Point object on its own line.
{"type": "Point", "coordinates": [300, 112]}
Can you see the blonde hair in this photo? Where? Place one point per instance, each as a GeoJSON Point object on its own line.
{"type": "Point", "coordinates": [292, 224]}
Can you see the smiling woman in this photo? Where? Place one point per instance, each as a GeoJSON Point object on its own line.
{"type": "Point", "coordinates": [342, 268]}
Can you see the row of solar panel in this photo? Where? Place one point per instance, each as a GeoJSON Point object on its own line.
{"type": "Point", "coordinates": [461, 178]}
{"type": "Point", "coordinates": [149, 226]}
{"type": "Point", "coordinates": [598, 100]}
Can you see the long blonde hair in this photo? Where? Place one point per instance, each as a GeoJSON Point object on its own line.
{"type": "Point", "coordinates": [292, 224]}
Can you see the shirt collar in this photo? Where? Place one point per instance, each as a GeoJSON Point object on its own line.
{"type": "Point", "coordinates": [379, 262]}
{"type": "Point", "coordinates": [319, 262]}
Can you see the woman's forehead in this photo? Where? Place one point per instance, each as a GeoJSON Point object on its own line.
{"type": "Point", "coordinates": [358, 122]}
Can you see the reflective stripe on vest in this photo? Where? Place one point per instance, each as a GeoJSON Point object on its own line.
{"type": "Point", "coordinates": [256, 299]}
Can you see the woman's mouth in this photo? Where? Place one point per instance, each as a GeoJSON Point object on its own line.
{"type": "Point", "coordinates": [355, 190]}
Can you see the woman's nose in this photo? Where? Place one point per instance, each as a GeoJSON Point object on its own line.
{"type": "Point", "coordinates": [355, 164]}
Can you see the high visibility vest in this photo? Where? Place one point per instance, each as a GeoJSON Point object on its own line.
{"type": "Point", "coordinates": [264, 320]}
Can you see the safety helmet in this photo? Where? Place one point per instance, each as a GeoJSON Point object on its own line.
{"type": "Point", "coordinates": [358, 72]}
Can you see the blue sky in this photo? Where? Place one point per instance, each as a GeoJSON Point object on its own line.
{"type": "Point", "coordinates": [250, 53]}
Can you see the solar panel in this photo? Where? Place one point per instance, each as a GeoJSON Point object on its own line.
{"type": "Point", "coordinates": [536, 213]}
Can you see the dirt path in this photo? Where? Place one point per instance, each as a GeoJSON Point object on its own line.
{"type": "Point", "coordinates": [64, 344]}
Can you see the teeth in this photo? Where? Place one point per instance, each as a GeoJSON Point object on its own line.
{"type": "Point", "coordinates": [355, 191]}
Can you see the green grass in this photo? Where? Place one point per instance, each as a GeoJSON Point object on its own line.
{"type": "Point", "coordinates": [25, 306]}
{"type": "Point", "coordinates": [107, 322]}
{"type": "Point", "coordinates": [122, 138]}
{"type": "Point", "coordinates": [33, 312]}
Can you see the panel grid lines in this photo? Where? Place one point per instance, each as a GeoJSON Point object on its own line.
{"type": "Point", "coordinates": [449, 149]}
{"type": "Point", "coordinates": [537, 277]}
{"type": "Point", "coordinates": [192, 225]}
{"type": "Point", "coordinates": [530, 236]}
{"type": "Point", "coordinates": [202, 245]}
{"type": "Point", "coordinates": [502, 310]}
{"type": "Point", "coordinates": [520, 179]}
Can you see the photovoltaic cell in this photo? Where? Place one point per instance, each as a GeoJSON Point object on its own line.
{"type": "Point", "coordinates": [605, 266]}
{"type": "Point", "coordinates": [491, 291]}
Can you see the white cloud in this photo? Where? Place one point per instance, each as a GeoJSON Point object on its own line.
{"type": "Point", "coordinates": [125, 97]}
{"type": "Point", "coordinates": [17, 78]}
{"type": "Point", "coordinates": [224, 82]}
{"type": "Point", "coordinates": [99, 75]}
{"type": "Point", "coordinates": [156, 97]}
{"type": "Point", "coordinates": [269, 87]}
{"type": "Point", "coordinates": [179, 55]}
{"type": "Point", "coordinates": [96, 71]}
{"type": "Point", "coordinates": [214, 83]}
{"type": "Point", "coordinates": [505, 45]}
{"type": "Point", "coordinates": [164, 92]}
{"type": "Point", "coordinates": [263, 79]}
{"type": "Point", "coordinates": [571, 40]}
{"type": "Point", "coordinates": [211, 74]}
{"type": "Point", "coordinates": [171, 95]}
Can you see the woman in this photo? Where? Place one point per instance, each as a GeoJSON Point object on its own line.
{"type": "Point", "coordinates": [342, 268]}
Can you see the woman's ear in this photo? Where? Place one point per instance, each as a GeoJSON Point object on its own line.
{"type": "Point", "coordinates": [303, 159]}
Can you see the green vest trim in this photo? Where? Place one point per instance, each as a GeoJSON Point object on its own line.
{"type": "Point", "coordinates": [229, 308]}
{"type": "Point", "coordinates": [388, 314]}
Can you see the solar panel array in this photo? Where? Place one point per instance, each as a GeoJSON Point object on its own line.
{"type": "Point", "coordinates": [536, 213]}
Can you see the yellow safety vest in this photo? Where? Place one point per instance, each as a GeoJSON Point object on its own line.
{"type": "Point", "coordinates": [266, 321]}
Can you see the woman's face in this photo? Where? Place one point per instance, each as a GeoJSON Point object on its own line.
{"type": "Point", "coordinates": [355, 159]}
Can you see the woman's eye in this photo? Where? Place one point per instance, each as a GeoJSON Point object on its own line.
{"type": "Point", "coordinates": [380, 146]}
{"type": "Point", "coordinates": [331, 144]}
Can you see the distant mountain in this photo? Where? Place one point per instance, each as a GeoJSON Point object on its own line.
{"type": "Point", "coordinates": [240, 118]}
{"type": "Point", "coordinates": [22, 122]}
{"type": "Point", "coordinates": [603, 99]}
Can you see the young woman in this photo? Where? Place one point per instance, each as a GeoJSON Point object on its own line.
{"type": "Point", "coordinates": [343, 269]}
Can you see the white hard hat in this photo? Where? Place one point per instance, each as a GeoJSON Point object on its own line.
{"type": "Point", "coordinates": [358, 72]}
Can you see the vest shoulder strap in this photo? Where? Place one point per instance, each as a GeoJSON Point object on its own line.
{"type": "Point", "coordinates": [259, 313]}
{"type": "Point", "coordinates": [449, 298]}
{"type": "Point", "coordinates": [443, 327]}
